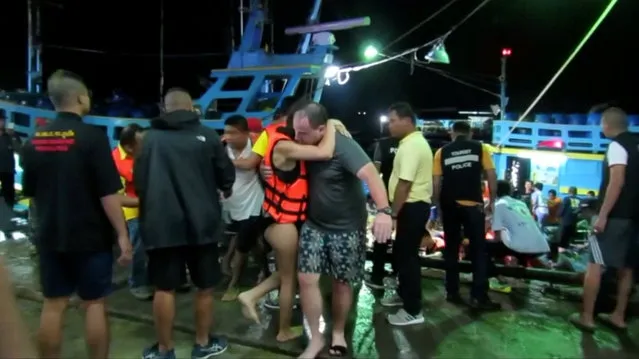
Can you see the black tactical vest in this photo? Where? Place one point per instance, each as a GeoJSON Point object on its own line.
{"type": "Point", "coordinates": [627, 205]}
{"type": "Point", "coordinates": [462, 171]}
{"type": "Point", "coordinates": [387, 149]}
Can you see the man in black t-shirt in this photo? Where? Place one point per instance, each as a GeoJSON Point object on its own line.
{"type": "Point", "coordinates": [616, 228]}
{"type": "Point", "coordinates": [383, 159]}
{"type": "Point", "coordinates": [69, 172]}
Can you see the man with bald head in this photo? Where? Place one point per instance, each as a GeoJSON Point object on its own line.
{"type": "Point", "coordinates": [179, 175]}
{"type": "Point", "coordinates": [616, 231]}
{"type": "Point", "coordinates": [70, 174]}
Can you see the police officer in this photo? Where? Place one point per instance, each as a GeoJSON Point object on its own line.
{"type": "Point", "coordinates": [383, 159]}
{"type": "Point", "coordinates": [457, 175]}
{"type": "Point", "coordinates": [9, 143]}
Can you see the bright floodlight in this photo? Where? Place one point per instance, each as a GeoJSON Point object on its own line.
{"type": "Point", "coordinates": [383, 119]}
{"type": "Point", "coordinates": [438, 54]}
{"type": "Point", "coordinates": [331, 72]}
{"type": "Point", "coordinates": [371, 52]}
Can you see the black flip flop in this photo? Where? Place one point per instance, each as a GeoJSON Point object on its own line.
{"type": "Point", "coordinates": [337, 351]}
{"type": "Point", "coordinates": [576, 321]}
{"type": "Point", "coordinates": [605, 319]}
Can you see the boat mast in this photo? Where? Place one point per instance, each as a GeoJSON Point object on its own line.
{"type": "Point", "coordinates": [161, 51]}
{"type": "Point", "coordinates": [34, 48]}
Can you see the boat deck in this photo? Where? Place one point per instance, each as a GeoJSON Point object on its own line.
{"type": "Point", "coordinates": [531, 325]}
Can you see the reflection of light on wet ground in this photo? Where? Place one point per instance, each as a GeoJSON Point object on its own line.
{"type": "Point", "coordinates": [364, 329]}
{"type": "Point", "coordinates": [404, 349]}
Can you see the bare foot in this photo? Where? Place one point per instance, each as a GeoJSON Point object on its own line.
{"type": "Point", "coordinates": [289, 334]}
{"type": "Point", "coordinates": [313, 349]}
{"type": "Point", "coordinates": [248, 307]}
{"type": "Point", "coordinates": [230, 295]}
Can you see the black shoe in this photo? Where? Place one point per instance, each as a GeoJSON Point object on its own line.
{"type": "Point", "coordinates": [455, 299]}
{"type": "Point", "coordinates": [184, 288]}
{"type": "Point", "coordinates": [485, 304]}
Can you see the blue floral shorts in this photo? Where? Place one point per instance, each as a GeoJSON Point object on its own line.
{"type": "Point", "coordinates": [341, 255]}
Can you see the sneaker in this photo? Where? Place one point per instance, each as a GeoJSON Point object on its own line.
{"type": "Point", "coordinates": [392, 301]}
{"type": "Point", "coordinates": [216, 346]}
{"type": "Point", "coordinates": [373, 282]}
{"type": "Point", "coordinates": [272, 301]}
{"type": "Point", "coordinates": [391, 282]}
{"type": "Point", "coordinates": [403, 318]}
{"type": "Point", "coordinates": [141, 293]}
{"type": "Point", "coordinates": [153, 352]}
{"type": "Point", "coordinates": [484, 304]}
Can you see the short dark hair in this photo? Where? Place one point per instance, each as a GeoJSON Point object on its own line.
{"type": "Point", "coordinates": [127, 135]}
{"type": "Point", "coordinates": [539, 186]}
{"type": "Point", "coordinates": [62, 86]}
{"type": "Point", "coordinates": [403, 110]}
{"type": "Point", "coordinates": [504, 188]}
{"type": "Point", "coordinates": [590, 193]}
{"type": "Point", "coordinates": [552, 192]}
{"type": "Point", "coordinates": [314, 111]}
{"type": "Point", "coordinates": [572, 190]}
{"type": "Point", "coordinates": [461, 127]}
{"type": "Point", "coordinates": [237, 121]}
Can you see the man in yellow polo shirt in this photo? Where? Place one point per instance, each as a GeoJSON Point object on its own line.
{"type": "Point", "coordinates": [410, 189]}
{"type": "Point", "coordinates": [458, 169]}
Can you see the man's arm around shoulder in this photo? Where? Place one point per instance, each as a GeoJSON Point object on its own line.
{"type": "Point", "coordinates": [222, 165]}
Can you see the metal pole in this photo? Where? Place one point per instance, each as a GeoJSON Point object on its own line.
{"type": "Point", "coordinates": [241, 18]}
{"type": "Point", "coordinates": [503, 100]}
{"type": "Point", "coordinates": [29, 46]}
{"type": "Point", "coordinates": [161, 51]}
{"type": "Point", "coordinates": [38, 51]}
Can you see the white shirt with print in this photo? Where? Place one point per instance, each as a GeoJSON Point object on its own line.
{"type": "Point", "coordinates": [519, 231]}
{"type": "Point", "coordinates": [248, 194]}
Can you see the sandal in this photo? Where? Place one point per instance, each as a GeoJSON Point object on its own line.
{"type": "Point", "coordinates": [605, 319]}
{"type": "Point", "coordinates": [337, 351]}
{"type": "Point", "coordinates": [576, 321]}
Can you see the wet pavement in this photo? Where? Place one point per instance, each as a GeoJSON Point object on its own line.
{"type": "Point", "coordinates": [532, 324]}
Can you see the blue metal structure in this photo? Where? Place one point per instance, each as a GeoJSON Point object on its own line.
{"type": "Point", "coordinates": [564, 150]}
{"type": "Point", "coordinates": [252, 85]}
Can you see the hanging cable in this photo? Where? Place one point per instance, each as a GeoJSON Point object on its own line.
{"type": "Point", "coordinates": [420, 24]}
{"type": "Point", "coordinates": [574, 53]}
{"type": "Point", "coordinates": [450, 77]}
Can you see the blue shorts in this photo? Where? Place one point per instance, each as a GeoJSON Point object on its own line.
{"type": "Point", "coordinates": [89, 274]}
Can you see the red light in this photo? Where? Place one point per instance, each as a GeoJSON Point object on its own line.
{"type": "Point", "coordinates": [506, 52]}
{"type": "Point", "coordinates": [555, 144]}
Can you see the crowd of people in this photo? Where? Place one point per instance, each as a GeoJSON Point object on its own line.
{"type": "Point", "coordinates": [293, 188]}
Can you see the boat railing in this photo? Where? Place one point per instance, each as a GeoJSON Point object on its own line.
{"type": "Point", "coordinates": [572, 138]}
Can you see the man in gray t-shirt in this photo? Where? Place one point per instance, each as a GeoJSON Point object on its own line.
{"type": "Point", "coordinates": [333, 239]}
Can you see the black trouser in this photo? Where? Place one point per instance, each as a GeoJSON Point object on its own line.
{"type": "Point", "coordinates": [411, 226]}
{"type": "Point", "coordinates": [380, 258]}
{"type": "Point", "coordinates": [472, 219]}
{"type": "Point", "coordinates": [7, 181]}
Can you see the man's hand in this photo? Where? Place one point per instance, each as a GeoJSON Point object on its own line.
{"type": "Point", "coordinates": [382, 227]}
{"type": "Point", "coordinates": [600, 224]}
{"type": "Point", "coordinates": [266, 171]}
{"type": "Point", "coordinates": [340, 128]}
{"type": "Point", "coordinates": [126, 251]}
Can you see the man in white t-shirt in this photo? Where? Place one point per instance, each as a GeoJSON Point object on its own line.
{"type": "Point", "coordinates": [244, 207]}
{"type": "Point", "coordinates": [514, 226]}
{"type": "Point", "coordinates": [539, 203]}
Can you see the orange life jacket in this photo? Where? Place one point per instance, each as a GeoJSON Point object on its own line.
{"type": "Point", "coordinates": [284, 202]}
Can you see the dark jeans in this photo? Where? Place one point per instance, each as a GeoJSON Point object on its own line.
{"type": "Point", "coordinates": [411, 226]}
{"type": "Point", "coordinates": [138, 275]}
{"type": "Point", "coordinates": [471, 218]}
{"type": "Point", "coordinates": [7, 184]}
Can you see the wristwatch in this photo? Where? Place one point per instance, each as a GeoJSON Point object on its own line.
{"type": "Point", "coordinates": [385, 210]}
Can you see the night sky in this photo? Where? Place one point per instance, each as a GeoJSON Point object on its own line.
{"type": "Point", "coordinates": [541, 33]}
